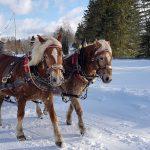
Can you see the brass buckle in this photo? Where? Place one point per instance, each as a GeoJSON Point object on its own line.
{"type": "Point", "coordinates": [4, 79]}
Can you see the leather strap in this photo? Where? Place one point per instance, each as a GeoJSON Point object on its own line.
{"type": "Point", "coordinates": [8, 71]}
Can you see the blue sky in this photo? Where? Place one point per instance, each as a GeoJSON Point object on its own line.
{"type": "Point", "coordinates": [39, 16]}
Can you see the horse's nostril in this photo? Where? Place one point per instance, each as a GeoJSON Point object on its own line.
{"type": "Point", "coordinates": [54, 80]}
{"type": "Point", "coordinates": [107, 78]}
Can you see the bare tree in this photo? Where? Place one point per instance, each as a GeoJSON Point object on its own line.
{"type": "Point", "coordinates": [67, 37]}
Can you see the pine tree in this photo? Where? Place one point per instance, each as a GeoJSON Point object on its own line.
{"type": "Point", "coordinates": [144, 7]}
{"type": "Point", "coordinates": [113, 20]}
{"type": "Point", "coordinates": [79, 34]}
{"type": "Point", "coordinates": [90, 21]}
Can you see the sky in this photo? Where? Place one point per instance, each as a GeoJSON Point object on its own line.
{"type": "Point", "coordinates": [33, 17]}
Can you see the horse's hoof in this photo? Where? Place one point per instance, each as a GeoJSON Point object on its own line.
{"type": "Point", "coordinates": [59, 144]}
{"type": "Point", "coordinates": [21, 138]}
{"type": "Point", "coordinates": [68, 122]}
{"type": "Point", "coordinates": [40, 117]}
{"type": "Point", "coordinates": [83, 131]}
{"type": "Point", "coordinates": [45, 112]}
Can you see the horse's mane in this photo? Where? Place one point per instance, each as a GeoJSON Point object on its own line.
{"type": "Point", "coordinates": [39, 48]}
{"type": "Point", "coordinates": [104, 46]}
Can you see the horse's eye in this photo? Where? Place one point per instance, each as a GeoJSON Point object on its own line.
{"type": "Point", "coordinates": [45, 56]}
{"type": "Point", "coordinates": [101, 58]}
{"type": "Point", "coordinates": [59, 53]}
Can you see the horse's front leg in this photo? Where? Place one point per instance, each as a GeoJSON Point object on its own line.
{"type": "Point", "coordinates": [1, 101]}
{"type": "Point", "coordinates": [79, 112]}
{"type": "Point", "coordinates": [69, 114]}
{"type": "Point", "coordinates": [50, 108]}
{"type": "Point", "coordinates": [39, 111]}
{"type": "Point", "coordinates": [44, 110]}
{"type": "Point", "coordinates": [20, 115]}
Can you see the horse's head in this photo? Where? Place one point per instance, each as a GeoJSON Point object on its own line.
{"type": "Point", "coordinates": [48, 50]}
{"type": "Point", "coordinates": [103, 60]}
{"type": "Point", "coordinates": [98, 60]}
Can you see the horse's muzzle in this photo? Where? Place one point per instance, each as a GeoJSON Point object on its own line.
{"type": "Point", "coordinates": [106, 79]}
{"type": "Point", "coordinates": [55, 75]}
{"type": "Point", "coordinates": [56, 80]}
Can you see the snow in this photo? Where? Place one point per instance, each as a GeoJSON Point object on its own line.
{"type": "Point", "coordinates": [116, 116]}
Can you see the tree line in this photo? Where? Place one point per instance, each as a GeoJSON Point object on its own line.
{"type": "Point", "coordinates": [14, 46]}
{"type": "Point", "coordinates": [125, 23]}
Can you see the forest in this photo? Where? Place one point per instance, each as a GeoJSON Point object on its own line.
{"type": "Point", "coordinates": [124, 23]}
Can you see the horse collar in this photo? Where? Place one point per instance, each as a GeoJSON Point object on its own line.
{"type": "Point", "coordinates": [25, 65]}
{"type": "Point", "coordinates": [81, 61]}
{"type": "Point", "coordinates": [74, 58]}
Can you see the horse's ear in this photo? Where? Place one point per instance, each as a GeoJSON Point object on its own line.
{"type": "Point", "coordinates": [108, 42]}
{"type": "Point", "coordinates": [59, 38]}
{"type": "Point", "coordinates": [41, 39]}
{"type": "Point", "coordinates": [97, 44]}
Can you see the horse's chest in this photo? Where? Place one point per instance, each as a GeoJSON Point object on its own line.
{"type": "Point", "coordinates": [75, 85]}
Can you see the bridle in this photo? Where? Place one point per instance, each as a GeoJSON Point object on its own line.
{"type": "Point", "coordinates": [96, 60]}
{"type": "Point", "coordinates": [80, 70]}
{"type": "Point", "coordinates": [37, 79]}
{"type": "Point", "coordinates": [54, 66]}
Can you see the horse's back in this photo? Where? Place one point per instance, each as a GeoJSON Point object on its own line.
{"type": "Point", "coordinates": [5, 61]}
{"type": "Point", "coordinates": [4, 58]}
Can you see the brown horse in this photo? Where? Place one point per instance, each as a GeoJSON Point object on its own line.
{"type": "Point", "coordinates": [33, 79]}
{"type": "Point", "coordinates": [88, 62]}
{"type": "Point", "coordinates": [81, 68]}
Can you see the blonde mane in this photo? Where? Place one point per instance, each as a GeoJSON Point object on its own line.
{"type": "Point", "coordinates": [39, 49]}
{"type": "Point", "coordinates": [104, 46]}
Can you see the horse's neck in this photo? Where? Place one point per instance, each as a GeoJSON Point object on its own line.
{"type": "Point", "coordinates": [41, 68]}
{"type": "Point", "coordinates": [88, 55]}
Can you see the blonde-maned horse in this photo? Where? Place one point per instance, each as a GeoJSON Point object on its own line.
{"type": "Point", "coordinates": [81, 68]}
{"type": "Point", "coordinates": [33, 79]}
{"type": "Point", "coordinates": [94, 59]}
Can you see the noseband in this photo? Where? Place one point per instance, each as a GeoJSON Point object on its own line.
{"type": "Point", "coordinates": [54, 67]}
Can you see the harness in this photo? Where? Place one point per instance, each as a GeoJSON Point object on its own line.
{"type": "Point", "coordinates": [77, 69]}
{"type": "Point", "coordinates": [9, 70]}
{"type": "Point", "coordinates": [5, 84]}
{"type": "Point", "coordinates": [40, 82]}
{"type": "Point", "coordinates": [30, 75]}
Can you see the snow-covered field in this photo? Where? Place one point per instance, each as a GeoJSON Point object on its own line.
{"type": "Point", "coordinates": [116, 115]}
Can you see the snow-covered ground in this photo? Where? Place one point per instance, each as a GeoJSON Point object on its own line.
{"type": "Point", "coordinates": [116, 115]}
